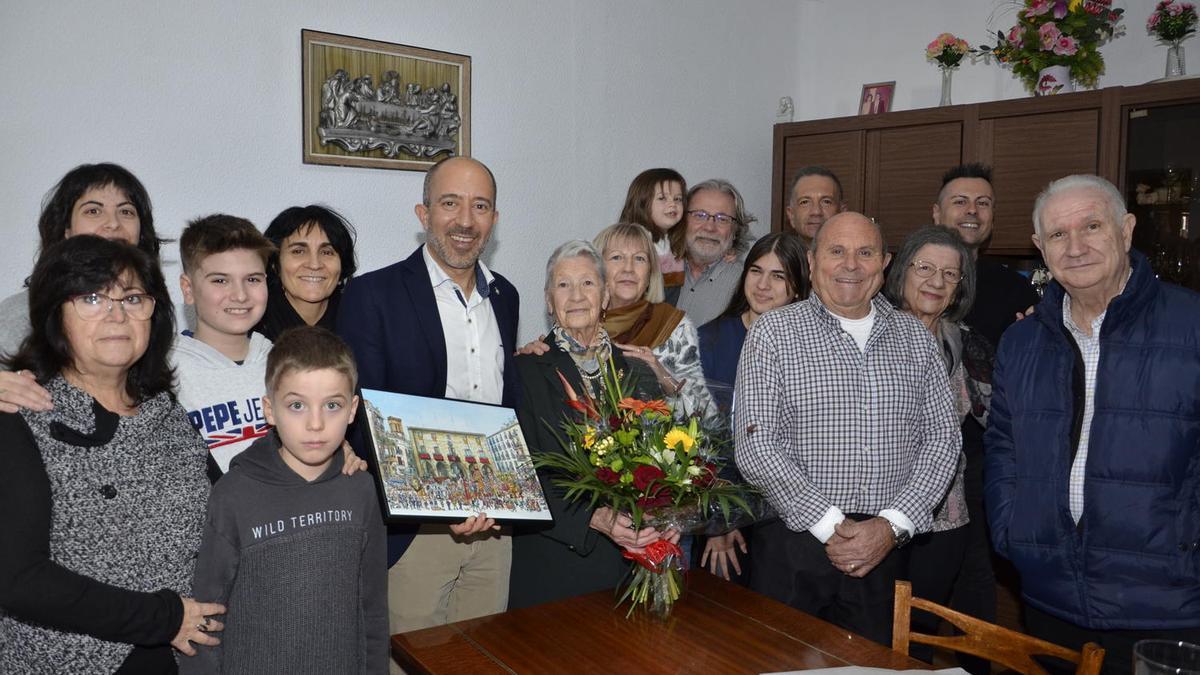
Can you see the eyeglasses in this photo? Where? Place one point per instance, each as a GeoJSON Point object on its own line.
{"type": "Point", "coordinates": [705, 216]}
{"type": "Point", "coordinates": [926, 270]}
{"type": "Point", "coordinates": [96, 306]}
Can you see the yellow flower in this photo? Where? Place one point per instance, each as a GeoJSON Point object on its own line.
{"type": "Point", "coordinates": [1074, 5]}
{"type": "Point", "coordinates": [589, 437]}
{"type": "Point", "coordinates": [676, 436]}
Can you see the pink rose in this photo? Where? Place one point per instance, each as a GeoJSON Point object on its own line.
{"type": "Point", "coordinates": [1049, 33]}
{"type": "Point", "coordinates": [1065, 46]}
{"type": "Point", "coordinates": [1153, 21]}
{"type": "Point", "coordinates": [1038, 7]}
{"type": "Point", "coordinates": [1174, 9]}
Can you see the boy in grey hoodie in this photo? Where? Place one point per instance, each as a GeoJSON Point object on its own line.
{"type": "Point", "coordinates": [295, 549]}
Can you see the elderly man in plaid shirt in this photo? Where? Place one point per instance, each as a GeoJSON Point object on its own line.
{"type": "Point", "coordinates": [844, 420]}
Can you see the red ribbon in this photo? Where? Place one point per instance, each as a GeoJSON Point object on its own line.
{"type": "Point", "coordinates": [655, 554]}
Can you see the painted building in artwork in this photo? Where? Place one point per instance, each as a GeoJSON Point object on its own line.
{"type": "Point", "coordinates": [391, 443]}
{"type": "Point", "coordinates": [450, 454]}
{"type": "Point", "coordinates": [508, 447]}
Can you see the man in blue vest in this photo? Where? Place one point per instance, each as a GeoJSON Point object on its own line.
{"type": "Point", "coordinates": [1092, 470]}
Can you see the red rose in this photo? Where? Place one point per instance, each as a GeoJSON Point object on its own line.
{"type": "Point", "coordinates": [705, 479]}
{"type": "Point", "coordinates": [645, 475]}
{"type": "Point", "coordinates": [614, 422]}
{"type": "Point", "coordinates": [608, 476]}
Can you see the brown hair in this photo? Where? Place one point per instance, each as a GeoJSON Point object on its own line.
{"type": "Point", "coordinates": [641, 195]}
{"type": "Point", "coordinates": [307, 348]}
{"type": "Point", "coordinates": [218, 233]}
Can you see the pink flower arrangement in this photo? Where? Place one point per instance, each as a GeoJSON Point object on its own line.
{"type": "Point", "coordinates": [1058, 33]}
{"type": "Point", "coordinates": [947, 50]}
{"type": "Point", "coordinates": [1172, 20]}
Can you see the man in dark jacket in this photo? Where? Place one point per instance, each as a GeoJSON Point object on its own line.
{"type": "Point", "coordinates": [441, 324]}
{"type": "Point", "coordinates": [1092, 475]}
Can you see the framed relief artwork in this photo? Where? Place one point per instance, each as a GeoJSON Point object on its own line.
{"type": "Point", "coordinates": [876, 98]}
{"type": "Point", "coordinates": [382, 105]}
{"type": "Point", "coordinates": [440, 459]}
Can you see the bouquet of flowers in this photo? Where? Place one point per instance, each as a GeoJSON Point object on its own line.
{"type": "Point", "coordinates": [1172, 20]}
{"type": "Point", "coordinates": [947, 50]}
{"type": "Point", "coordinates": [630, 455]}
{"type": "Point", "coordinates": [1057, 33]}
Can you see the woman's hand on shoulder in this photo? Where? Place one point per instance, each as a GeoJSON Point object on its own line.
{"type": "Point", "coordinates": [352, 463]}
{"type": "Point", "coordinates": [20, 390]}
{"type": "Point", "coordinates": [198, 625]}
{"type": "Point", "coordinates": [536, 347]}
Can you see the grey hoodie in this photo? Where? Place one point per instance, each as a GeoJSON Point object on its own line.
{"type": "Point", "coordinates": [300, 566]}
{"type": "Point", "coordinates": [223, 398]}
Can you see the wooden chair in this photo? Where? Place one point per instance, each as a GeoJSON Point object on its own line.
{"type": "Point", "coordinates": [980, 638]}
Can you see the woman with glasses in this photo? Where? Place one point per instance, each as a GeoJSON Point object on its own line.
{"type": "Point", "coordinates": [933, 278]}
{"type": "Point", "coordinates": [104, 495]}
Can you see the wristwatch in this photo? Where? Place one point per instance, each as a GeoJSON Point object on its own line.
{"type": "Point", "coordinates": [900, 536]}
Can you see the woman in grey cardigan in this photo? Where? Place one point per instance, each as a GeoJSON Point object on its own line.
{"type": "Point", "coordinates": [104, 495]}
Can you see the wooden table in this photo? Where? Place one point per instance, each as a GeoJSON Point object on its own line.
{"type": "Point", "coordinates": [718, 627]}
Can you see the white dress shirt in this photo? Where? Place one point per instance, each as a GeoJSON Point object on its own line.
{"type": "Point", "coordinates": [474, 349]}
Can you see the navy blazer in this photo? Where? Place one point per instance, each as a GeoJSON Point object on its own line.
{"type": "Point", "coordinates": [390, 319]}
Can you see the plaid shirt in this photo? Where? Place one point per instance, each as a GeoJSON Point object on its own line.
{"type": "Point", "coordinates": [821, 424]}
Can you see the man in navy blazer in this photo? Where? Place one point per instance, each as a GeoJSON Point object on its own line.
{"type": "Point", "coordinates": [441, 324]}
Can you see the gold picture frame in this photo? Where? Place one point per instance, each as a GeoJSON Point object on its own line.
{"type": "Point", "coordinates": [382, 105]}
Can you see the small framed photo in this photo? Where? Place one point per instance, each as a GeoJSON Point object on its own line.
{"type": "Point", "coordinates": [876, 98]}
{"type": "Point", "coordinates": [382, 105]}
{"type": "Point", "coordinates": [439, 459]}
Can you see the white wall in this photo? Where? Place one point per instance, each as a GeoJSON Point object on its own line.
{"type": "Point", "coordinates": [846, 44]}
{"type": "Point", "coordinates": [570, 100]}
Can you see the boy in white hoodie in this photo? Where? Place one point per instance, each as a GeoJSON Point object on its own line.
{"type": "Point", "coordinates": [222, 364]}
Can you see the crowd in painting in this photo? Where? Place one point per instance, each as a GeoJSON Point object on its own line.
{"type": "Point", "coordinates": [192, 499]}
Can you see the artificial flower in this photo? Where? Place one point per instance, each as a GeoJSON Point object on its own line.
{"type": "Point", "coordinates": [1065, 46]}
{"type": "Point", "coordinates": [677, 437]}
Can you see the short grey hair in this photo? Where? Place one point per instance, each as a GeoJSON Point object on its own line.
{"type": "Point", "coordinates": [933, 235]}
{"type": "Point", "coordinates": [1116, 201]}
{"type": "Point", "coordinates": [576, 248]}
{"type": "Point", "coordinates": [741, 236]}
{"type": "Point", "coordinates": [637, 233]}
{"type": "Point", "coordinates": [814, 170]}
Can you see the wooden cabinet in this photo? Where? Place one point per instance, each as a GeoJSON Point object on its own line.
{"type": "Point", "coordinates": [891, 165]}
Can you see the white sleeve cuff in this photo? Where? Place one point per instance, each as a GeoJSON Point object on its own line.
{"type": "Point", "coordinates": [823, 530]}
{"type": "Point", "coordinates": [899, 520]}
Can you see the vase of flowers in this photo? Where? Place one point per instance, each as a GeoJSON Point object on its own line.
{"type": "Point", "coordinates": [1172, 22]}
{"type": "Point", "coordinates": [632, 456]}
{"type": "Point", "coordinates": [1064, 33]}
{"type": "Point", "coordinates": [947, 51]}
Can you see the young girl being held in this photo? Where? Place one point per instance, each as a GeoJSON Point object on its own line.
{"type": "Point", "coordinates": [655, 201]}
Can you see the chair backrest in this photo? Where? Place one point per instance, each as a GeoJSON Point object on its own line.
{"type": "Point", "coordinates": [980, 638]}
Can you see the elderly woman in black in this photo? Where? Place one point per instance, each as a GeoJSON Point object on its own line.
{"type": "Point", "coordinates": [581, 553]}
{"type": "Point", "coordinates": [932, 277]}
{"type": "Point", "coordinates": [306, 276]}
{"type": "Point", "coordinates": [104, 494]}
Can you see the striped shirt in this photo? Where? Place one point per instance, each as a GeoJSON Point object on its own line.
{"type": "Point", "coordinates": [824, 428]}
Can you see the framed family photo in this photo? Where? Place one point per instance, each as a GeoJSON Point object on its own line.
{"type": "Point", "coordinates": [440, 459]}
{"type": "Point", "coordinates": [876, 98]}
{"type": "Point", "coordinates": [383, 105]}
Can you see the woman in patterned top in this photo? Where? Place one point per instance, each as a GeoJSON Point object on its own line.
{"type": "Point", "coordinates": [648, 329]}
{"type": "Point", "coordinates": [105, 493]}
{"type": "Point", "coordinates": [933, 278]}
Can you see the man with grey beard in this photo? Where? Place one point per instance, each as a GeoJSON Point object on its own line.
{"type": "Point", "coordinates": [441, 324]}
{"type": "Point", "coordinates": [718, 231]}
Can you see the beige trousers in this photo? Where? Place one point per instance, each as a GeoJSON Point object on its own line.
{"type": "Point", "coordinates": [439, 580]}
